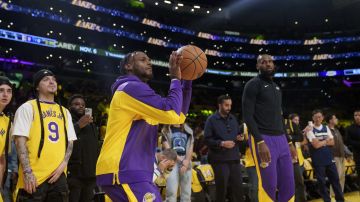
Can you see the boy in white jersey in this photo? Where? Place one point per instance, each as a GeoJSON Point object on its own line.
{"type": "Point", "coordinates": [321, 139]}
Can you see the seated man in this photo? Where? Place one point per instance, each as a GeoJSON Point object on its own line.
{"type": "Point", "coordinates": [165, 161]}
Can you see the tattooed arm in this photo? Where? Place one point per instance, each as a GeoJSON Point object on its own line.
{"type": "Point", "coordinates": [68, 151]}
{"type": "Point", "coordinates": [60, 170]}
{"type": "Point", "coordinates": [30, 182]}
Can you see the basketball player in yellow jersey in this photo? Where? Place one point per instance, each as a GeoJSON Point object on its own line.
{"type": "Point", "coordinates": [44, 135]}
{"type": "Point", "coordinates": [5, 98]}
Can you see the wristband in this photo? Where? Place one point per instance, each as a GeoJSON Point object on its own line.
{"type": "Point", "coordinates": [222, 144]}
{"type": "Point", "coordinates": [262, 141]}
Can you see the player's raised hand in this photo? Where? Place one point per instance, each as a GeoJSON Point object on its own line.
{"type": "Point", "coordinates": [174, 63]}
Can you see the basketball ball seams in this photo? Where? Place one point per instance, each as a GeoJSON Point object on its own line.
{"type": "Point", "coordinates": [190, 52]}
{"type": "Point", "coordinates": [202, 68]}
{"type": "Point", "coordinates": [183, 69]}
{"type": "Point", "coordinates": [205, 60]}
{"type": "Point", "coordinates": [191, 55]}
{"type": "Point", "coordinates": [199, 54]}
{"type": "Point", "coordinates": [192, 60]}
{"type": "Point", "coordinates": [194, 71]}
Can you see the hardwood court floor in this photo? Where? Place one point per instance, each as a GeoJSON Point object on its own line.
{"type": "Point", "coordinates": [349, 197]}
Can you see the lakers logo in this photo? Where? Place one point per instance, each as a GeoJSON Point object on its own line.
{"type": "Point", "coordinates": [149, 197]}
{"type": "Point", "coordinates": [264, 164]}
{"type": "Point", "coordinates": [2, 132]}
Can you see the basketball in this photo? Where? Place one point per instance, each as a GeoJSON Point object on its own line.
{"type": "Point", "coordinates": [194, 62]}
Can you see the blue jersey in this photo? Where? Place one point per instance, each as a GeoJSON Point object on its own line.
{"type": "Point", "coordinates": [321, 156]}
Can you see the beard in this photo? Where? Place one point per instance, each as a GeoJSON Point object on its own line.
{"type": "Point", "coordinates": [225, 112]}
{"type": "Point", "coordinates": [267, 73]}
{"type": "Point", "coordinates": [143, 75]}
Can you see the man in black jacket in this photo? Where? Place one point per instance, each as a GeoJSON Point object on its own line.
{"type": "Point", "coordinates": [82, 164]}
{"type": "Point", "coordinates": [222, 135]}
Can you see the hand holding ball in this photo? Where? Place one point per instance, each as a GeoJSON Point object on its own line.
{"type": "Point", "coordinates": [194, 62]}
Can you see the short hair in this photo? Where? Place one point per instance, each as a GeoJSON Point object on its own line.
{"type": "Point", "coordinates": [316, 111]}
{"type": "Point", "coordinates": [356, 110]}
{"type": "Point", "coordinates": [170, 154]}
{"type": "Point", "coordinates": [259, 57]}
{"type": "Point", "coordinates": [329, 117]}
{"type": "Point", "coordinates": [221, 98]}
{"type": "Point", "coordinates": [126, 60]}
{"type": "Point", "coordinates": [292, 116]}
{"type": "Point", "coordinates": [73, 97]}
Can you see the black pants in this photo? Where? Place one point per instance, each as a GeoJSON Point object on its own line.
{"type": "Point", "coordinates": [330, 171]}
{"type": "Point", "coordinates": [299, 184]}
{"type": "Point", "coordinates": [228, 175]}
{"type": "Point", "coordinates": [56, 192]}
{"type": "Point", "coordinates": [357, 165]}
{"type": "Point", "coordinates": [81, 189]}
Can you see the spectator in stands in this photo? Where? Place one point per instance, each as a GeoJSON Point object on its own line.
{"type": "Point", "coordinates": [179, 138]}
{"type": "Point", "coordinates": [338, 149]}
{"type": "Point", "coordinates": [82, 163]}
{"type": "Point", "coordinates": [222, 133]}
{"type": "Point", "coordinates": [6, 94]}
{"type": "Point", "coordinates": [353, 139]}
{"type": "Point", "coordinates": [165, 161]}
{"type": "Point", "coordinates": [200, 147]}
{"type": "Point", "coordinates": [292, 128]}
{"type": "Point", "coordinates": [321, 139]}
{"type": "Point", "coordinates": [44, 135]}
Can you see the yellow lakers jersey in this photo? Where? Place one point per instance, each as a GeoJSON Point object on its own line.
{"type": "Point", "coordinates": [299, 153]}
{"type": "Point", "coordinates": [249, 161]}
{"type": "Point", "coordinates": [53, 151]}
{"type": "Point", "coordinates": [4, 125]}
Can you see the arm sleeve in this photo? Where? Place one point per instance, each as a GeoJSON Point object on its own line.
{"type": "Point", "coordinates": [70, 128]}
{"type": "Point", "coordinates": [248, 106]}
{"type": "Point", "coordinates": [187, 91]}
{"type": "Point", "coordinates": [210, 140]}
{"type": "Point", "coordinates": [141, 99]}
{"type": "Point", "coordinates": [22, 120]}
